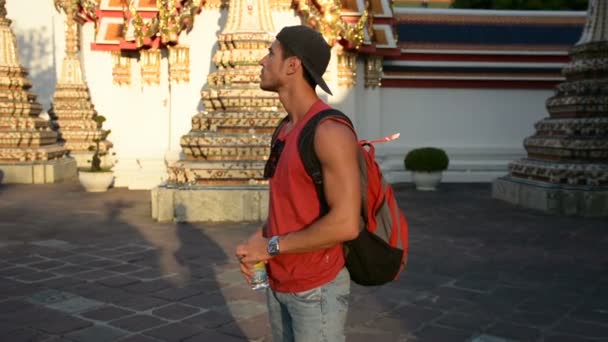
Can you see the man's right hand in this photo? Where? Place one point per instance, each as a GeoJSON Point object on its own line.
{"type": "Point", "coordinates": [246, 270]}
{"type": "Point", "coordinates": [242, 251]}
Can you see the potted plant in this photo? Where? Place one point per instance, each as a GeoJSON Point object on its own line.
{"type": "Point", "coordinates": [426, 165]}
{"type": "Point", "coordinates": [97, 178]}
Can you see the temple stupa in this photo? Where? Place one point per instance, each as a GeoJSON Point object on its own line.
{"type": "Point", "coordinates": [73, 113]}
{"type": "Point", "coordinates": [221, 178]}
{"type": "Point", "coordinates": [566, 170]}
{"type": "Point", "coordinates": [29, 148]}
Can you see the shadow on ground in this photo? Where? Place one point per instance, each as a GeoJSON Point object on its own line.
{"type": "Point", "coordinates": [481, 268]}
{"type": "Point", "coordinates": [95, 267]}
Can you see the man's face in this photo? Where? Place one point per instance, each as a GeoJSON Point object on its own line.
{"type": "Point", "coordinates": [272, 64]}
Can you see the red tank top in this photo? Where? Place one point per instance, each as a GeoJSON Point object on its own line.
{"type": "Point", "coordinates": [294, 206]}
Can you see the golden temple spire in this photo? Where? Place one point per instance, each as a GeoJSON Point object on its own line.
{"type": "Point", "coordinates": [8, 54]}
{"type": "Point", "coordinates": [71, 32]}
{"type": "Point", "coordinates": [249, 16]}
{"type": "Point", "coordinates": [73, 112]}
{"type": "Point", "coordinates": [29, 152]}
{"type": "Point", "coordinates": [71, 69]}
{"type": "Point", "coordinates": [221, 177]}
{"type": "Point", "coordinates": [229, 141]}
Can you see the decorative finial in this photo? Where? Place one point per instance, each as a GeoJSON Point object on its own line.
{"type": "Point", "coordinates": [3, 9]}
{"type": "Point", "coordinates": [595, 29]}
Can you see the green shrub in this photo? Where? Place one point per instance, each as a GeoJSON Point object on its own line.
{"type": "Point", "coordinates": [426, 159]}
{"type": "Point", "coordinates": [96, 157]}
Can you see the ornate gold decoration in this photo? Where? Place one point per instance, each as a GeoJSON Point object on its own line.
{"type": "Point", "coordinates": [281, 5]}
{"type": "Point", "coordinates": [216, 4]}
{"type": "Point", "coordinates": [347, 68]}
{"type": "Point", "coordinates": [73, 112]}
{"type": "Point", "coordinates": [150, 66]}
{"type": "Point", "coordinates": [24, 136]}
{"type": "Point", "coordinates": [373, 71]}
{"type": "Point", "coordinates": [167, 24]}
{"type": "Point", "coordinates": [230, 140]}
{"type": "Point", "coordinates": [3, 12]}
{"type": "Point", "coordinates": [121, 71]}
{"type": "Point", "coordinates": [8, 54]}
{"type": "Point", "coordinates": [325, 17]}
{"type": "Point", "coordinates": [179, 63]}
{"type": "Point", "coordinates": [88, 7]}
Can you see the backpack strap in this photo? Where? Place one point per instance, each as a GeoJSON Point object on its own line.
{"type": "Point", "coordinates": [306, 147]}
{"type": "Point", "coordinates": [275, 135]}
{"type": "Point", "coordinates": [277, 130]}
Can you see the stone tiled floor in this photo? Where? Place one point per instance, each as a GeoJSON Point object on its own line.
{"type": "Point", "coordinates": [76, 266]}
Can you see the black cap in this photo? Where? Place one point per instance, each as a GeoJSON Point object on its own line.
{"type": "Point", "coordinates": [311, 48]}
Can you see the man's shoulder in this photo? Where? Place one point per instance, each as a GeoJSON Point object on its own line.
{"type": "Point", "coordinates": [334, 121]}
{"type": "Point", "coordinates": [334, 131]}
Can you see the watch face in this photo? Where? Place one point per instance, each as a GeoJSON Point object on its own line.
{"type": "Point", "coordinates": [272, 249]}
{"type": "Point", "coordinates": [273, 246]}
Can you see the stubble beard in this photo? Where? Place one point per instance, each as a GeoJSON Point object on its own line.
{"type": "Point", "coordinates": [267, 87]}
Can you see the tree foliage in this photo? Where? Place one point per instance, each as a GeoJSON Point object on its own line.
{"type": "Point", "coordinates": [578, 5]}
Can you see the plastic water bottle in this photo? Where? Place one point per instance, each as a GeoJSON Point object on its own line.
{"type": "Point", "coordinates": [259, 281]}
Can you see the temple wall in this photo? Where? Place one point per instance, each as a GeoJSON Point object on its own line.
{"type": "Point", "coordinates": [147, 121]}
{"type": "Point", "coordinates": [481, 129]}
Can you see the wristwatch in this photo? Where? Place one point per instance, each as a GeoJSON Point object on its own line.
{"type": "Point", "coordinates": [273, 246]}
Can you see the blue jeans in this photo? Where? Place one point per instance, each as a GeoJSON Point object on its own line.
{"type": "Point", "coordinates": [316, 315]}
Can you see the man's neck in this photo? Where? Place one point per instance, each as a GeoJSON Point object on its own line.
{"type": "Point", "coordinates": [298, 103]}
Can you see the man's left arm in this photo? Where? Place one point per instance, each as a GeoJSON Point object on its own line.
{"type": "Point", "coordinates": [337, 149]}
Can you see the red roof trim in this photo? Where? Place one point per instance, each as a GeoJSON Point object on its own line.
{"type": "Point", "coordinates": [395, 83]}
{"type": "Point", "coordinates": [407, 56]}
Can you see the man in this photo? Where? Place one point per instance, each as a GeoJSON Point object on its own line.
{"type": "Point", "coordinates": [309, 285]}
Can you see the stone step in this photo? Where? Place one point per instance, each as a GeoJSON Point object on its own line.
{"type": "Point", "coordinates": [16, 154]}
{"type": "Point", "coordinates": [22, 109]}
{"type": "Point", "coordinates": [227, 153]}
{"type": "Point", "coordinates": [595, 174]}
{"type": "Point", "coordinates": [217, 172]}
{"type": "Point", "coordinates": [23, 123]}
{"type": "Point", "coordinates": [212, 139]}
{"type": "Point", "coordinates": [572, 127]}
{"type": "Point", "coordinates": [76, 108]}
{"type": "Point", "coordinates": [259, 121]}
{"type": "Point", "coordinates": [76, 124]}
{"type": "Point", "coordinates": [578, 106]}
{"type": "Point", "coordinates": [567, 148]}
{"type": "Point", "coordinates": [27, 138]}
{"type": "Point", "coordinates": [76, 145]}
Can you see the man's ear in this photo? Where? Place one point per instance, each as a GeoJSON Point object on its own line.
{"type": "Point", "coordinates": [293, 65]}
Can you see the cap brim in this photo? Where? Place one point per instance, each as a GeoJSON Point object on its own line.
{"type": "Point", "coordinates": [317, 78]}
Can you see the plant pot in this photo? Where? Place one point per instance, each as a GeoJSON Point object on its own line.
{"type": "Point", "coordinates": [426, 181]}
{"type": "Point", "coordinates": [96, 181]}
